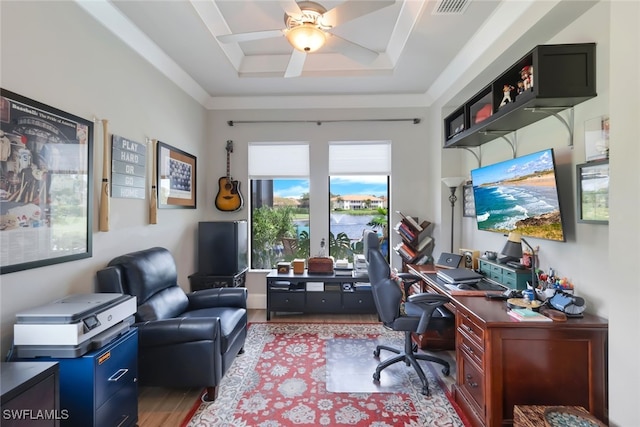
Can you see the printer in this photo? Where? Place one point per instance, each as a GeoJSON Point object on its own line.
{"type": "Point", "coordinates": [72, 326]}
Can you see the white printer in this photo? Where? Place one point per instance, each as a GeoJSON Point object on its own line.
{"type": "Point", "coordinates": [73, 325]}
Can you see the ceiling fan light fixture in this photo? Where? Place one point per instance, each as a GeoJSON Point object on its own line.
{"type": "Point", "coordinates": [306, 37]}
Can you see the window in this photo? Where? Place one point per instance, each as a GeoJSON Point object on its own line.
{"type": "Point", "coordinates": [281, 181]}
{"type": "Point", "coordinates": [359, 195]}
{"type": "Point", "coordinates": [279, 202]}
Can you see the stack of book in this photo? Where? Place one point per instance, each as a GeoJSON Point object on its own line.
{"type": "Point", "coordinates": [343, 268]}
{"type": "Point", "coordinates": [360, 266]}
{"type": "Point", "coordinates": [526, 315]}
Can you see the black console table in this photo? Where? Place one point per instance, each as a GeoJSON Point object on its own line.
{"type": "Point", "coordinates": [317, 293]}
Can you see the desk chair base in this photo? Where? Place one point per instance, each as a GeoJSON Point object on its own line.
{"type": "Point", "coordinates": [410, 358]}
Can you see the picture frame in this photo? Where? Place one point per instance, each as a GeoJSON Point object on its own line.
{"type": "Point", "coordinates": [596, 138]}
{"type": "Point", "coordinates": [176, 177]}
{"type": "Point", "coordinates": [592, 180]}
{"type": "Point", "coordinates": [468, 202]}
{"type": "Point", "coordinates": [46, 184]}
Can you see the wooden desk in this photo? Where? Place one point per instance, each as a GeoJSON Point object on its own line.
{"type": "Point", "coordinates": [502, 362]}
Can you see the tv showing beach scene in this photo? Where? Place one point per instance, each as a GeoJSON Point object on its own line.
{"type": "Point", "coordinates": [519, 195]}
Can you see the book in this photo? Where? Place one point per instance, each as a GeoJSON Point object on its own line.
{"type": "Point", "coordinates": [411, 221]}
{"type": "Point", "coordinates": [526, 315]}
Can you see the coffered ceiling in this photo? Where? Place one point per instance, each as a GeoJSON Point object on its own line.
{"type": "Point", "coordinates": [424, 47]}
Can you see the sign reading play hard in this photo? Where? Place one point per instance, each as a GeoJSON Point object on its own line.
{"type": "Point", "coordinates": [128, 164]}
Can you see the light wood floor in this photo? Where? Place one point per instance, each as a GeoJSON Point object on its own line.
{"type": "Point", "coordinates": [162, 407]}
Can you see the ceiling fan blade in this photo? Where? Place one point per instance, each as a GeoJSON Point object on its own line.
{"type": "Point", "coordinates": [352, 50]}
{"type": "Point", "coordinates": [352, 9]}
{"type": "Point", "coordinates": [290, 7]}
{"type": "Point", "coordinates": [296, 63]}
{"type": "Point", "coordinates": [244, 37]}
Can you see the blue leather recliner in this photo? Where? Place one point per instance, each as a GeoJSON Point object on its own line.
{"type": "Point", "coordinates": [185, 339]}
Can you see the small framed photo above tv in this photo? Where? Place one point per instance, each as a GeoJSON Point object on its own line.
{"type": "Point", "coordinates": [593, 192]}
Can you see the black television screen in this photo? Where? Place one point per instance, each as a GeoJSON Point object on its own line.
{"type": "Point", "coordinates": [519, 195]}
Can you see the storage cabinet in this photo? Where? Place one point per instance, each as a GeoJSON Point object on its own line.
{"type": "Point", "coordinates": [100, 388]}
{"type": "Point", "coordinates": [502, 273]}
{"type": "Point", "coordinates": [561, 77]}
{"type": "Point", "coordinates": [288, 293]}
{"type": "Point", "coordinates": [28, 389]}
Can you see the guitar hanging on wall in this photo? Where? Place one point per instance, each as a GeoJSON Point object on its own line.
{"type": "Point", "coordinates": [229, 198]}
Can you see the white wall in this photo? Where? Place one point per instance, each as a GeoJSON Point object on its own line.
{"type": "Point", "coordinates": [54, 53]}
{"type": "Point", "coordinates": [599, 259]}
{"type": "Point", "coordinates": [409, 153]}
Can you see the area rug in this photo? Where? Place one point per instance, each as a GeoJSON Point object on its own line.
{"type": "Point", "coordinates": [280, 381]}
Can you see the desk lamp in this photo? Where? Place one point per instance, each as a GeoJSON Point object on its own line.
{"type": "Point", "coordinates": [453, 183]}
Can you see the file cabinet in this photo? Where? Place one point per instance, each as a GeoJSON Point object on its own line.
{"type": "Point", "coordinates": [100, 388]}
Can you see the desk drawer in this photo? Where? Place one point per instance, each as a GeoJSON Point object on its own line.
{"type": "Point", "coordinates": [323, 302]}
{"type": "Point", "coordinates": [470, 349]}
{"type": "Point", "coordinates": [286, 301]}
{"type": "Point", "coordinates": [471, 380]}
{"type": "Point", "coordinates": [359, 301]}
{"type": "Point", "coordinates": [509, 275]}
{"type": "Point", "coordinates": [496, 269]}
{"type": "Point", "coordinates": [469, 328]}
{"type": "Point", "coordinates": [496, 276]}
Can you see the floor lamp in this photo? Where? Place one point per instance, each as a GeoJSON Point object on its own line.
{"type": "Point", "coordinates": [453, 183]}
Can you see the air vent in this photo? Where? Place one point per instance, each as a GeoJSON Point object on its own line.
{"type": "Point", "coordinates": [450, 7]}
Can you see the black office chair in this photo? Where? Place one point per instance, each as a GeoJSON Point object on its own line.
{"type": "Point", "coordinates": [423, 311]}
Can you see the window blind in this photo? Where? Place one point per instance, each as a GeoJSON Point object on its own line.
{"type": "Point", "coordinates": [367, 157]}
{"type": "Point", "coordinates": [278, 160]}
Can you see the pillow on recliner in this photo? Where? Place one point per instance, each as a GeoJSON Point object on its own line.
{"type": "Point", "coordinates": [166, 304]}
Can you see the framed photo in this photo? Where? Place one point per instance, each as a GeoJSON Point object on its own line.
{"type": "Point", "coordinates": [176, 178]}
{"type": "Point", "coordinates": [468, 202]}
{"type": "Point", "coordinates": [46, 184]}
{"type": "Point", "coordinates": [593, 192]}
{"type": "Point", "coordinates": [596, 138]}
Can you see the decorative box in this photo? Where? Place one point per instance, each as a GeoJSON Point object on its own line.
{"type": "Point", "coordinates": [320, 265]}
{"type": "Point", "coordinates": [298, 266]}
{"type": "Point", "coordinates": [284, 267]}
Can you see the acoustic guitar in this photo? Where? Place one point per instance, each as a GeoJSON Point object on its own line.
{"type": "Point", "coordinates": [229, 198]}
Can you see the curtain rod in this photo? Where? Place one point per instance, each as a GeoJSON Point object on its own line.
{"type": "Point", "coordinates": [415, 121]}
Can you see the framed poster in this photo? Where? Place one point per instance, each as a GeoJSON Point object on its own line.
{"type": "Point", "coordinates": [46, 184]}
{"type": "Point", "coordinates": [176, 178]}
{"type": "Point", "coordinates": [593, 192]}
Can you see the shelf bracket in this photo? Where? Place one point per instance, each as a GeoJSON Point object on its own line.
{"type": "Point", "coordinates": [502, 134]}
{"type": "Point", "coordinates": [554, 111]}
{"type": "Point", "coordinates": [477, 155]}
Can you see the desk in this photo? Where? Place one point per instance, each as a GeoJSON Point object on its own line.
{"type": "Point", "coordinates": [502, 362]}
{"type": "Point", "coordinates": [289, 292]}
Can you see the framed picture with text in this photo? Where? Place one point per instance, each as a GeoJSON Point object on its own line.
{"type": "Point", "coordinates": [593, 192]}
{"type": "Point", "coordinates": [46, 184]}
{"type": "Point", "coordinates": [176, 178]}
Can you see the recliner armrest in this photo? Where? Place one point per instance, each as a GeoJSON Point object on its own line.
{"type": "Point", "coordinates": [177, 331]}
{"type": "Point", "coordinates": [110, 280]}
{"type": "Point", "coordinates": [218, 297]}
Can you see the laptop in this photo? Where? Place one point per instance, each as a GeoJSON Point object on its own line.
{"type": "Point", "coordinates": [459, 275]}
{"type": "Point", "coordinates": [448, 260]}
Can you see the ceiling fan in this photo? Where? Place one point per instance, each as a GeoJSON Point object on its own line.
{"type": "Point", "coordinates": [308, 28]}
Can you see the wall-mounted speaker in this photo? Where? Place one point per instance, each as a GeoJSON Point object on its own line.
{"type": "Point", "coordinates": [470, 258]}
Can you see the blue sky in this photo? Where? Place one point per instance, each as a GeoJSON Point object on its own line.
{"type": "Point", "coordinates": [520, 166]}
{"type": "Point", "coordinates": [342, 185]}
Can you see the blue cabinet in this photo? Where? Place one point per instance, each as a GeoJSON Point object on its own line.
{"type": "Point", "coordinates": [100, 388]}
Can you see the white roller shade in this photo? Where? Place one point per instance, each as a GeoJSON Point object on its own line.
{"type": "Point", "coordinates": [278, 160]}
{"type": "Point", "coordinates": [368, 157]}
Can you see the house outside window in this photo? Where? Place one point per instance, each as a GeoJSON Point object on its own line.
{"type": "Point", "coordinates": [359, 194]}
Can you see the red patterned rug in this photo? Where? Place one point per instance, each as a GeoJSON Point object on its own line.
{"type": "Point", "coordinates": [281, 381]}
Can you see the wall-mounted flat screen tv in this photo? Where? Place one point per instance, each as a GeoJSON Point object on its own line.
{"type": "Point", "coordinates": [519, 195]}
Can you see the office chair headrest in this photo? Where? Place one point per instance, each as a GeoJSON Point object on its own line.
{"type": "Point", "coordinates": [371, 241]}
